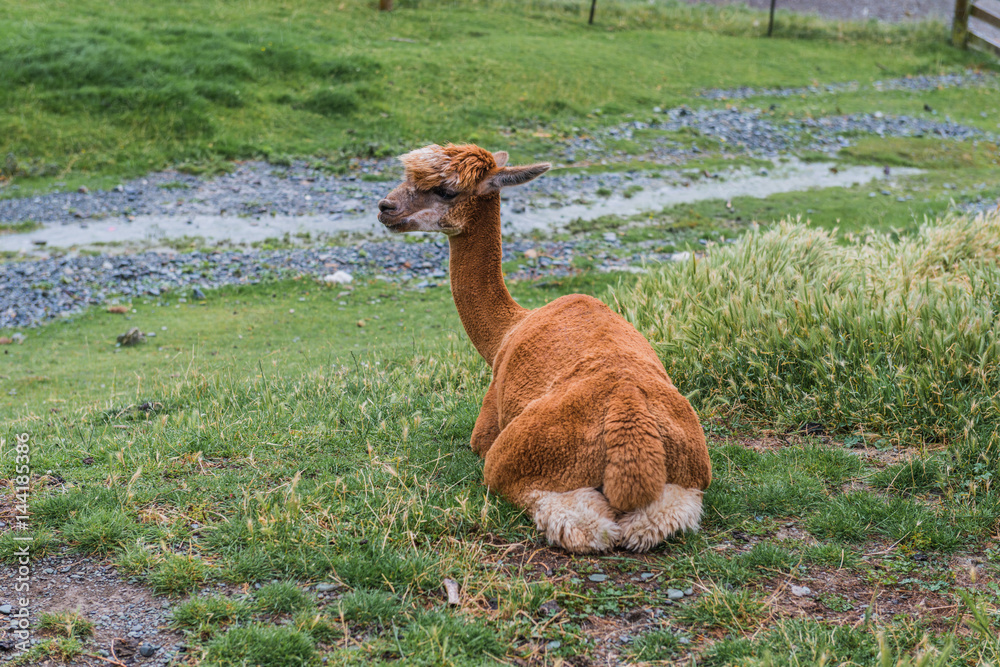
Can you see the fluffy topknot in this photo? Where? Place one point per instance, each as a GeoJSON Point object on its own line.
{"type": "Point", "coordinates": [462, 167]}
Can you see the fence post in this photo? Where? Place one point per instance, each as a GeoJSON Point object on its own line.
{"type": "Point", "coordinates": [593, 6]}
{"type": "Point", "coordinates": [385, 5]}
{"type": "Point", "coordinates": [960, 27]}
{"type": "Point", "coordinates": [770, 22]}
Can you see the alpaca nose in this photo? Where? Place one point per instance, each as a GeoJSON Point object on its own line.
{"type": "Point", "coordinates": [385, 205]}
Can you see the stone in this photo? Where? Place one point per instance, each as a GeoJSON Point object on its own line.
{"type": "Point", "coordinates": [598, 577]}
{"type": "Point", "coordinates": [338, 278]}
{"type": "Point", "coordinates": [800, 591]}
{"type": "Point", "coordinates": [674, 594]}
{"type": "Point", "coordinates": [131, 337]}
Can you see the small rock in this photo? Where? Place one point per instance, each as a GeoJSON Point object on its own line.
{"type": "Point", "coordinates": [6, 609]}
{"type": "Point", "coordinates": [131, 337]}
{"type": "Point", "coordinates": [147, 650]}
{"type": "Point", "coordinates": [800, 591]}
{"type": "Point", "coordinates": [325, 587]}
{"type": "Point", "coordinates": [83, 190]}
{"type": "Point", "coordinates": [552, 645]}
{"type": "Point", "coordinates": [197, 294]}
{"type": "Point", "coordinates": [338, 278]}
{"type": "Point", "coordinates": [674, 594]}
{"type": "Point", "coordinates": [688, 592]}
{"type": "Point", "coordinates": [647, 576]}
{"type": "Point", "coordinates": [550, 608]}
{"type": "Point", "coordinates": [598, 577]}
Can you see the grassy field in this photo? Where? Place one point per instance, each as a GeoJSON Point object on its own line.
{"type": "Point", "coordinates": [296, 433]}
{"type": "Point", "coordinates": [95, 91]}
{"type": "Point", "coordinates": [291, 433]}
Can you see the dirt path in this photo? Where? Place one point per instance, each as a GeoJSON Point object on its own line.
{"type": "Point", "coordinates": [883, 10]}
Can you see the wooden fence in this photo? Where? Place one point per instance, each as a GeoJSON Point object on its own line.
{"type": "Point", "coordinates": [977, 24]}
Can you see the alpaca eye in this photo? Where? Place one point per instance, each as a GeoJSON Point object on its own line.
{"type": "Point", "coordinates": [445, 194]}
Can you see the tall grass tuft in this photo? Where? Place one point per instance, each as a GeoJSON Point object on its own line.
{"type": "Point", "coordinates": [895, 337]}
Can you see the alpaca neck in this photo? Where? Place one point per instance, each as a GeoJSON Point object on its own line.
{"type": "Point", "coordinates": [487, 310]}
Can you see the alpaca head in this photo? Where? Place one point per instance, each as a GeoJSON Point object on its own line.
{"type": "Point", "coordinates": [442, 184]}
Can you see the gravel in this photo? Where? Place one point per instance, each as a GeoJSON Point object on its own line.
{"type": "Point", "coordinates": [34, 291]}
{"type": "Point", "coordinates": [755, 132]}
{"type": "Point", "coordinates": [126, 617]}
{"type": "Point", "coordinates": [909, 84]}
{"type": "Point", "coordinates": [253, 188]}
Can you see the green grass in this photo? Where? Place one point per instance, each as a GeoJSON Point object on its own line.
{"type": "Point", "coordinates": [265, 646]}
{"type": "Point", "coordinates": [313, 460]}
{"type": "Point", "coordinates": [866, 343]}
{"type": "Point", "coordinates": [99, 92]}
{"type": "Point", "coordinates": [70, 625]}
{"type": "Point", "coordinates": [22, 227]}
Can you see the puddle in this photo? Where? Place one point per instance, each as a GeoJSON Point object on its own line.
{"type": "Point", "coordinates": [156, 231]}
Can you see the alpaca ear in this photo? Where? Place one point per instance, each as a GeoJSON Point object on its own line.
{"type": "Point", "coordinates": [509, 176]}
{"type": "Point", "coordinates": [501, 157]}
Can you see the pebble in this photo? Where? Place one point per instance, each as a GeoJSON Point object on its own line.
{"type": "Point", "coordinates": [598, 577]}
{"type": "Point", "coordinates": [340, 278]}
{"type": "Point", "coordinates": [800, 591]}
{"type": "Point", "coordinates": [674, 594]}
{"type": "Point", "coordinates": [6, 609]}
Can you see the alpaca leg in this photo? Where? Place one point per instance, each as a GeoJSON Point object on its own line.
{"type": "Point", "coordinates": [541, 461]}
{"type": "Point", "coordinates": [579, 521]}
{"type": "Point", "coordinates": [487, 426]}
{"type": "Point", "coordinates": [677, 509]}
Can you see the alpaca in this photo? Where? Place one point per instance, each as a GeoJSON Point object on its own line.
{"type": "Point", "coordinates": [581, 425]}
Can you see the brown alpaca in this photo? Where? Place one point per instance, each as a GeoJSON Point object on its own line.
{"type": "Point", "coordinates": [581, 425]}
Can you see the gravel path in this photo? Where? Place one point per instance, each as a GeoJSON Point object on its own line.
{"type": "Point", "coordinates": [257, 189]}
{"type": "Point", "coordinates": [34, 291]}
{"type": "Point", "coordinates": [857, 10]}
{"type": "Point", "coordinates": [129, 622]}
